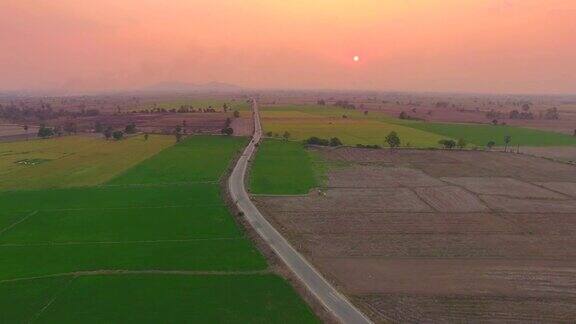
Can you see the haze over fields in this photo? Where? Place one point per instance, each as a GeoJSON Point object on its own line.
{"type": "Point", "coordinates": [503, 46]}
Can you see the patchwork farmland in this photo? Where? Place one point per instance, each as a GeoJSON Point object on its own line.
{"type": "Point", "coordinates": [152, 242]}
{"type": "Point", "coordinates": [354, 127]}
{"type": "Point", "coordinates": [441, 236]}
{"type": "Point", "coordinates": [72, 160]}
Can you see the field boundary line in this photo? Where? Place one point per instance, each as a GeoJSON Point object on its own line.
{"type": "Point", "coordinates": [51, 300]}
{"type": "Point", "coordinates": [462, 258]}
{"type": "Point", "coordinates": [109, 272]}
{"type": "Point", "coordinates": [374, 211]}
{"type": "Point", "coordinates": [129, 207]}
{"type": "Point", "coordinates": [120, 242]}
{"type": "Point", "coordinates": [540, 185]}
{"type": "Point", "coordinates": [381, 212]}
{"type": "Point", "coordinates": [158, 184]}
{"type": "Point", "coordinates": [284, 195]}
{"type": "Point", "coordinates": [24, 218]}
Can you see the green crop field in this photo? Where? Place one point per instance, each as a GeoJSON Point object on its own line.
{"type": "Point", "coordinates": [130, 224]}
{"type": "Point", "coordinates": [72, 160]}
{"type": "Point", "coordinates": [202, 159]}
{"type": "Point", "coordinates": [303, 122]}
{"type": "Point", "coordinates": [155, 244]}
{"type": "Point", "coordinates": [284, 168]}
{"type": "Point", "coordinates": [482, 134]}
{"type": "Point", "coordinates": [153, 298]}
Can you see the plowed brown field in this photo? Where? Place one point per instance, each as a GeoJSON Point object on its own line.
{"type": "Point", "coordinates": [441, 236]}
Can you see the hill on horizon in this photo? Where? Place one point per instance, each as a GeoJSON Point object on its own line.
{"type": "Point", "coordinates": [187, 86]}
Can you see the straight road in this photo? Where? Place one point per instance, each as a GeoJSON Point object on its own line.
{"type": "Point", "coordinates": [334, 302]}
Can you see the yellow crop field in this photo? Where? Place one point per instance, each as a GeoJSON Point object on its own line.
{"type": "Point", "coordinates": [354, 129]}
{"type": "Point", "coordinates": [72, 160]}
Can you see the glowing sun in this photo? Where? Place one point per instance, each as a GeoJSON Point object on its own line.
{"type": "Point", "coordinates": [356, 58]}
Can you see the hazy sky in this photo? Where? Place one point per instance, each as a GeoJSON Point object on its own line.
{"type": "Point", "coordinates": [438, 45]}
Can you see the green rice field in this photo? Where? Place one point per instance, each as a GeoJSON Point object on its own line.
{"type": "Point", "coordinates": [157, 298]}
{"type": "Point", "coordinates": [285, 168]}
{"type": "Point", "coordinates": [480, 135]}
{"type": "Point", "coordinates": [153, 244]}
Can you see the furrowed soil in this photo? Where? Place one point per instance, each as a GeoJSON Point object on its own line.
{"type": "Point", "coordinates": [440, 236]}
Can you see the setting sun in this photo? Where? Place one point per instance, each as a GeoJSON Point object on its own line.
{"type": "Point", "coordinates": [224, 161]}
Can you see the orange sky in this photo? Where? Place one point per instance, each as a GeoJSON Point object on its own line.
{"type": "Point", "coordinates": [520, 46]}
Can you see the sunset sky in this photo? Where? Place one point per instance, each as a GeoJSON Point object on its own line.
{"type": "Point", "coordinates": [502, 46]}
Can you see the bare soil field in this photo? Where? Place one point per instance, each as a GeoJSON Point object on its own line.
{"type": "Point", "coordinates": [565, 154]}
{"type": "Point", "coordinates": [159, 123]}
{"type": "Point", "coordinates": [567, 188]}
{"type": "Point", "coordinates": [242, 126]}
{"type": "Point", "coordinates": [503, 187]}
{"type": "Point", "coordinates": [441, 236]}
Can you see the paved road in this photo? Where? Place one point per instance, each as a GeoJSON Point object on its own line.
{"type": "Point", "coordinates": [335, 302]}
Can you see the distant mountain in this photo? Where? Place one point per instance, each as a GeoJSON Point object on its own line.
{"type": "Point", "coordinates": [192, 87]}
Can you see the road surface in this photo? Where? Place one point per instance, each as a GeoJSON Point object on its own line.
{"type": "Point", "coordinates": [334, 302]}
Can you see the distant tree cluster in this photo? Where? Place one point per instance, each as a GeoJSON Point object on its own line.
{"type": "Point", "coordinates": [14, 113]}
{"type": "Point", "coordinates": [130, 128]}
{"type": "Point", "coordinates": [285, 136]}
{"type": "Point", "coordinates": [442, 104]}
{"type": "Point", "coordinates": [368, 146]}
{"type": "Point", "coordinates": [551, 114]}
{"type": "Point", "coordinates": [110, 133]}
{"type": "Point", "coordinates": [67, 129]}
{"type": "Point", "coordinates": [334, 141]}
{"type": "Point", "coordinates": [182, 109]}
{"type": "Point", "coordinates": [227, 130]}
{"type": "Point", "coordinates": [392, 139]}
{"type": "Point", "coordinates": [45, 132]}
{"type": "Point", "coordinates": [493, 114]}
{"type": "Point", "coordinates": [406, 116]}
{"type": "Point", "coordinates": [344, 104]}
{"type": "Point", "coordinates": [447, 143]}
{"type": "Point", "coordinates": [525, 113]}
{"type": "Point", "coordinates": [118, 135]}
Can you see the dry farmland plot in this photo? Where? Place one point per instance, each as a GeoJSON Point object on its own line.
{"type": "Point", "coordinates": [155, 244]}
{"type": "Point", "coordinates": [566, 154]}
{"type": "Point", "coordinates": [415, 235]}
